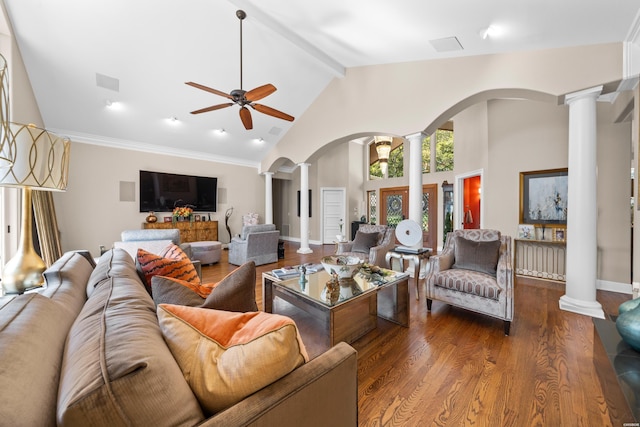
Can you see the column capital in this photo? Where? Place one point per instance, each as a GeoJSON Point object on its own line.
{"type": "Point", "coordinates": [267, 173]}
{"type": "Point", "coordinates": [593, 92]}
{"type": "Point", "coordinates": [301, 164]}
{"type": "Point", "coordinates": [415, 136]}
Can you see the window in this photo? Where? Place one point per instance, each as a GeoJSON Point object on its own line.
{"type": "Point", "coordinates": [444, 149]}
{"type": "Point", "coordinates": [426, 154]}
{"type": "Point", "coordinates": [372, 203]}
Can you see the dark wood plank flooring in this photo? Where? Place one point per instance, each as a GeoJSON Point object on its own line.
{"type": "Point", "coordinates": [456, 368]}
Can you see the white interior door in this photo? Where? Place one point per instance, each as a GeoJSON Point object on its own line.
{"type": "Point", "coordinates": [333, 201]}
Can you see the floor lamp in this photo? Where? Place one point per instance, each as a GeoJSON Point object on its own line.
{"type": "Point", "coordinates": [40, 162]}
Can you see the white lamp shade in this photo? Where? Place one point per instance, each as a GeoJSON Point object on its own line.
{"type": "Point", "coordinates": [40, 158]}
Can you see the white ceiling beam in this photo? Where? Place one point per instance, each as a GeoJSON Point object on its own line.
{"type": "Point", "coordinates": [332, 65]}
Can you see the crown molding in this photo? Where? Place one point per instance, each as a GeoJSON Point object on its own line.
{"type": "Point", "coordinates": [149, 148]}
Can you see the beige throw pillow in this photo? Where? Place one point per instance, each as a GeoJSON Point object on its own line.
{"type": "Point", "coordinates": [226, 356]}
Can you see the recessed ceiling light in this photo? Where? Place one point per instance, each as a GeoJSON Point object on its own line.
{"type": "Point", "coordinates": [259, 140]}
{"type": "Point", "coordinates": [112, 105]}
{"type": "Point", "coordinates": [490, 32]}
{"type": "Point", "coordinates": [173, 120]}
{"type": "Point", "coordinates": [220, 131]}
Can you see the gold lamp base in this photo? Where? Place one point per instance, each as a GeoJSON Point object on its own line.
{"type": "Point", "coordinates": [24, 270]}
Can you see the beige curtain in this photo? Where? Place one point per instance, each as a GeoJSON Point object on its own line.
{"type": "Point", "coordinates": [44, 212]}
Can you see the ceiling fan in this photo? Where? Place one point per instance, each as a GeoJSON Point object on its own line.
{"type": "Point", "coordinates": [241, 97]}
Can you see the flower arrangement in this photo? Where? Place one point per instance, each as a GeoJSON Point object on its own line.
{"type": "Point", "coordinates": [182, 211]}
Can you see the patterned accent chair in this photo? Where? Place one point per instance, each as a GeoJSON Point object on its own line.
{"type": "Point", "coordinates": [258, 243]}
{"type": "Point", "coordinates": [474, 272]}
{"type": "Point", "coordinates": [373, 254]}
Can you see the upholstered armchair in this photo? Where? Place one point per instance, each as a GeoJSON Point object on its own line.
{"type": "Point", "coordinates": [371, 244]}
{"type": "Point", "coordinates": [474, 272]}
{"type": "Point", "coordinates": [258, 243]}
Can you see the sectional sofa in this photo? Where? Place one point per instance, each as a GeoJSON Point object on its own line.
{"type": "Point", "coordinates": [88, 349]}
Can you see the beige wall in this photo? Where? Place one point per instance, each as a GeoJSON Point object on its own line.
{"type": "Point", "coordinates": [91, 214]}
{"type": "Point", "coordinates": [409, 97]}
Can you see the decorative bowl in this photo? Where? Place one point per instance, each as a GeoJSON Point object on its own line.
{"type": "Point", "coordinates": [344, 266]}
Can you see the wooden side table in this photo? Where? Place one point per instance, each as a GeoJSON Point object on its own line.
{"type": "Point", "coordinates": [417, 257]}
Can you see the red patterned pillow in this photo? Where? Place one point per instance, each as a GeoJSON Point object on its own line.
{"type": "Point", "coordinates": [174, 264]}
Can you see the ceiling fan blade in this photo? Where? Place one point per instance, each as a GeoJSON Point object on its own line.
{"type": "Point", "coordinates": [208, 89]}
{"type": "Point", "coordinates": [213, 107]}
{"type": "Point", "coordinates": [260, 92]}
{"type": "Point", "coordinates": [245, 116]}
{"type": "Point", "coordinates": [272, 112]}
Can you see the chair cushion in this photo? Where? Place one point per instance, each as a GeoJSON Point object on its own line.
{"type": "Point", "coordinates": [235, 292]}
{"type": "Point", "coordinates": [468, 281]}
{"type": "Point", "coordinates": [173, 262]}
{"type": "Point", "coordinates": [476, 256]}
{"type": "Point", "coordinates": [363, 242]}
{"type": "Point", "coordinates": [227, 356]}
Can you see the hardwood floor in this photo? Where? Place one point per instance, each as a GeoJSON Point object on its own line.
{"type": "Point", "coordinates": [456, 368]}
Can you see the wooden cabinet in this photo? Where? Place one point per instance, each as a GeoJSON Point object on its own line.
{"type": "Point", "coordinates": [190, 231]}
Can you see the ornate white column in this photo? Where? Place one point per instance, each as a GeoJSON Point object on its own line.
{"type": "Point", "coordinates": [268, 197]}
{"type": "Point", "coordinates": [581, 271]}
{"type": "Point", "coordinates": [304, 209]}
{"type": "Point", "coordinates": [415, 177]}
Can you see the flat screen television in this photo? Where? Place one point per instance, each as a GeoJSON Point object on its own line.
{"type": "Point", "coordinates": [162, 191]}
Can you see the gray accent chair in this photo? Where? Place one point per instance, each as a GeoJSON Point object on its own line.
{"type": "Point", "coordinates": [257, 243]}
{"type": "Point", "coordinates": [154, 241]}
{"type": "Point", "coordinates": [474, 284]}
{"type": "Point", "coordinates": [377, 253]}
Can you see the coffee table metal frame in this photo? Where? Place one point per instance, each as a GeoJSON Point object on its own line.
{"type": "Point", "coordinates": [346, 320]}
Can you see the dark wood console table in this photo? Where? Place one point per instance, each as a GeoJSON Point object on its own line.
{"type": "Point", "coordinates": [197, 231]}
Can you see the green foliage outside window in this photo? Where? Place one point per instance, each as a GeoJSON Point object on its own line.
{"type": "Point", "coordinates": [426, 154]}
{"type": "Point", "coordinates": [444, 150]}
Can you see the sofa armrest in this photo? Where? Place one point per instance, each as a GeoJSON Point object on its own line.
{"type": "Point", "coordinates": [441, 262]}
{"type": "Point", "coordinates": [322, 392]}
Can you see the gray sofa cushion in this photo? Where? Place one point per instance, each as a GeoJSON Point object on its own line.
{"type": "Point", "coordinates": [117, 369]}
{"type": "Point", "coordinates": [477, 256]}
{"type": "Point", "coordinates": [235, 292]}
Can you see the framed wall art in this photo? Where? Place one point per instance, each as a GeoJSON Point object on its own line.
{"type": "Point", "coordinates": [543, 196]}
{"type": "Point", "coordinates": [526, 232]}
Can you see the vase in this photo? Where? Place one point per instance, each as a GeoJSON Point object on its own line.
{"type": "Point", "coordinates": [628, 323]}
{"type": "Point", "coordinates": [151, 218]}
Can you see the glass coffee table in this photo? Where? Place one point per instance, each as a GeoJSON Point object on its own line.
{"type": "Point", "coordinates": [355, 312]}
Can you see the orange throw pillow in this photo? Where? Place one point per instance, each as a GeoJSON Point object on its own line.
{"type": "Point", "coordinates": [175, 265]}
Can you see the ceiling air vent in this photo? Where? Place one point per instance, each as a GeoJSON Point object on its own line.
{"type": "Point", "coordinates": [107, 82]}
{"type": "Point", "coordinates": [447, 44]}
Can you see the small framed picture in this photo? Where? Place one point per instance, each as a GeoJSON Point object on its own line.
{"type": "Point", "coordinates": [197, 218]}
{"type": "Point", "coordinates": [559, 234]}
{"type": "Point", "coordinates": [167, 219]}
{"type": "Point", "coordinates": [526, 232]}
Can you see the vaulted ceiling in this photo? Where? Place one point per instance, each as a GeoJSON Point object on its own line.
{"type": "Point", "coordinates": [137, 56]}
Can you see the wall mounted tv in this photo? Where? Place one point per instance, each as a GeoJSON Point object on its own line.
{"type": "Point", "coordinates": [162, 191]}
